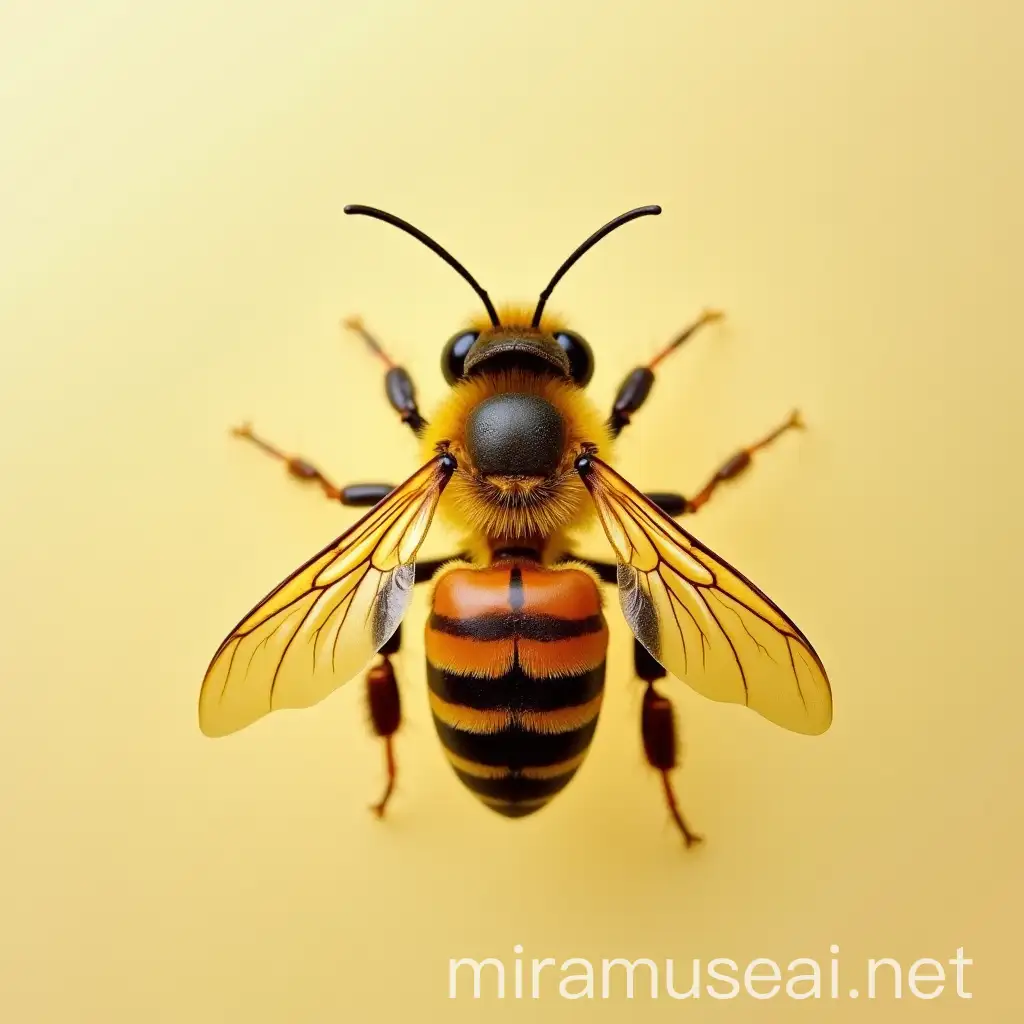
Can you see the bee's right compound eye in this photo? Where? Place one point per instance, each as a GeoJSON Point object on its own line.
{"type": "Point", "coordinates": [453, 358]}
{"type": "Point", "coordinates": [581, 358]}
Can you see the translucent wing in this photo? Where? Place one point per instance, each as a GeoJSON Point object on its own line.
{"type": "Point", "coordinates": [700, 618]}
{"type": "Point", "coordinates": [324, 623]}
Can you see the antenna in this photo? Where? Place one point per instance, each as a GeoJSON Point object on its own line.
{"type": "Point", "coordinates": [390, 218]}
{"type": "Point", "coordinates": [625, 218]}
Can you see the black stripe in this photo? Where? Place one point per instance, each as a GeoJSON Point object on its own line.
{"type": "Point", "coordinates": [516, 810]}
{"type": "Point", "coordinates": [515, 787]}
{"type": "Point", "coordinates": [516, 625]}
{"type": "Point", "coordinates": [516, 748]}
{"type": "Point", "coordinates": [515, 691]}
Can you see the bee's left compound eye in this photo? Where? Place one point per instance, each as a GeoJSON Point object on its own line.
{"type": "Point", "coordinates": [453, 358]}
{"type": "Point", "coordinates": [581, 359]}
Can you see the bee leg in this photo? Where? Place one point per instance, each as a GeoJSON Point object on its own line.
{"type": "Point", "coordinates": [740, 462]}
{"type": "Point", "coordinates": [661, 742]}
{"type": "Point", "coordinates": [302, 469]}
{"type": "Point", "coordinates": [675, 505]}
{"type": "Point", "coordinates": [670, 502]}
{"type": "Point", "coordinates": [385, 707]}
{"type": "Point", "coordinates": [634, 390]}
{"type": "Point", "coordinates": [398, 385]}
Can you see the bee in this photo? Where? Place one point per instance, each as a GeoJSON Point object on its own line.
{"type": "Point", "coordinates": [517, 457]}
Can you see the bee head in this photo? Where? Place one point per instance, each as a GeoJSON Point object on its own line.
{"type": "Point", "coordinates": [526, 343]}
{"type": "Point", "coordinates": [517, 345]}
{"type": "Point", "coordinates": [518, 431]}
{"type": "Point", "coordinates": [517, 410]}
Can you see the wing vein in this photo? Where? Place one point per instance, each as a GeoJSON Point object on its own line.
{"type": "Point", "coordinates": [668, 579]}
{"type": "Point", "coordinates": [364, 569]}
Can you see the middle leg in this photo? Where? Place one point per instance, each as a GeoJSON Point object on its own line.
{"type": "Point", "coordinates": [401, 395]}
{"type": "Point", "coordinates": [740, 462]}
{"type": "Point", "coordinates": [356, 495]}
{"type": "Point", "coordinates": [675, 504]}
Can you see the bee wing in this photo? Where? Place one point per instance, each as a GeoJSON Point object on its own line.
{"type": "Point", "coordinates": [700, 618]}
{"type": "Point", "coordinates": [325, 621]}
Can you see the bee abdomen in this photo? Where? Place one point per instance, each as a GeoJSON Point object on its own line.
{"type": "Point", "coordinates": [515, 664]}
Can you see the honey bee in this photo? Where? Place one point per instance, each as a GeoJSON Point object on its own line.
{"type": "Point", "coordinates": [517, 458]}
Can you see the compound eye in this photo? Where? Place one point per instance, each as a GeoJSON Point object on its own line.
{"type": "Point", "coordinates": [581, 359]}
{"type": "Point", "coordinates": [453, 358]}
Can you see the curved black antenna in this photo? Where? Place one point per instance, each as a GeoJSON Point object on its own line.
{"type": "Point", "coordinates": [404, 225]}
{"type": "Point", "coordinates": [625, 218]}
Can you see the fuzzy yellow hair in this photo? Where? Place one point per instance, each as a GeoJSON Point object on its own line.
{"type": "Point", "coordinates": [507, 510]}
{"type": "Point", "coordinates": [514, 314]}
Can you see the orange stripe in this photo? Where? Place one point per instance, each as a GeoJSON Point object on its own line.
{"type": "Point", "coordinates": [496, 802]}
{"type": "Point", "coordinates": [458, 716]}
{"type": "Point", "coordinates": [563, 720]}
{"type": "Point", "coordinates": [466, 593]}
{"type": "Point", "coordinates": [493, 771]}
{"type": "Point", "coordinates": [564, 593]}
{"type": "Point", "coordinates": [542, 659]}
{"type": "Point", "coordinates": [550, 771]}
{"type": "Point", "coordinates": [480, 771]}
{"type": "Point", "coordinates": [539, 659]}
{"type": "Point", "coordinates": [486, 658]}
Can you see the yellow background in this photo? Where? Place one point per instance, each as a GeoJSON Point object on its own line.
{"type": "Point", "coordinates": [844, 178]}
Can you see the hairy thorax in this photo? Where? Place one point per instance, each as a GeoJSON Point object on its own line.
{"type": "Point", "coordinates": [524, 492]}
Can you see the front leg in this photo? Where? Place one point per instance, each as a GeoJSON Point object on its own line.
{"type": "Point", "coordinates": [398, 385]}
{"type": "Point", "coordinates": [634, 390]}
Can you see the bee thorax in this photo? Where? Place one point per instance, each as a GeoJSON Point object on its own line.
{"type": "Point", "coordinates": [515, 434]}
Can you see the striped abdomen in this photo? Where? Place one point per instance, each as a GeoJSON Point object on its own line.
{"type": "Point", "coordinates": [515, 662]}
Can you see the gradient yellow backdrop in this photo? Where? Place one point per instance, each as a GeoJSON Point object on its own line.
{"type": "Point", "coordinates": [843, 178]}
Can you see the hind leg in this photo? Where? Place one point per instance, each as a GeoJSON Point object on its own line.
{"type": "Point", "coordinates": [385, 706]}
{"type": "Point", "coordinates": [661, 741]}
{"type": "Point", "coordinates": [383, 698]}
